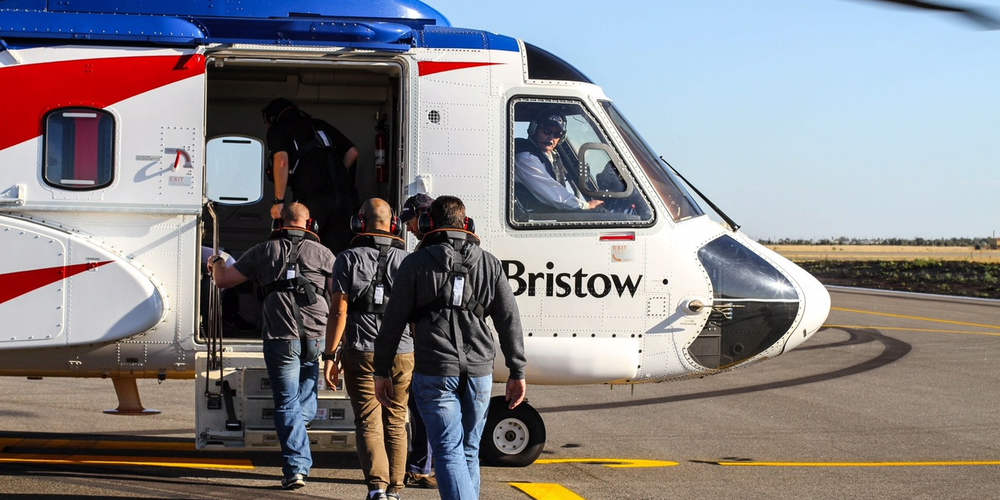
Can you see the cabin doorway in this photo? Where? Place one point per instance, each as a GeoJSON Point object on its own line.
{"type": "Point", "coordinates": [361, 98]}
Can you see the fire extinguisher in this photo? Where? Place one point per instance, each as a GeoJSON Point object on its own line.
{"type": "Point", "coordinates": [381, 171]}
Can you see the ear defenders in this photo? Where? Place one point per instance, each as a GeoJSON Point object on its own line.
{"type": "Point", "coordinates": [358, 225]}
{"type": "Point", "coordinates": [426, 224]}
{"type": "Point", "coordinates": [311, 225]}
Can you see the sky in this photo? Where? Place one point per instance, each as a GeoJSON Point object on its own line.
{"type": "Point", "coordinates": [799, 118]}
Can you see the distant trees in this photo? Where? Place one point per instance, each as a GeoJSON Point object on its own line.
{"type": "Point", "coordinates": [918, 241]}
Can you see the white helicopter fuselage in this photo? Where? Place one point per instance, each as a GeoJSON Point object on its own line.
{"type": "Point", "coordinates": [103, 272]}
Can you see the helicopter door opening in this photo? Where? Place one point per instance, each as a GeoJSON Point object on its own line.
{"type": "Point", "coordinates": [363, 100]}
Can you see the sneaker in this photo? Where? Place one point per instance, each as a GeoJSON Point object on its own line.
{"type": "Point", "coordinates": [392, 496]}
{"type": "Point", "coordinates": [379, 495]}
{"type": "Point", "coordinates": [415, 480]}
{"type": "Point", "coordinates": [293, 482]}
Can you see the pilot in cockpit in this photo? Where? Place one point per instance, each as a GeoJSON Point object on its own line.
{"type": "Point", "coordinates": [541, 182]}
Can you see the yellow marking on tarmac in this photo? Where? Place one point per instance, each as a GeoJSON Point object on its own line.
{"type": "Point", "coordinates": [926, 330]}
{"type": "Point", "coordinates": [957, 463]}
{"type": "Point", "coordinates": [189, 463]}
{"type": "Point", "coordinates": [95, 444]}
{"type": "Point", "coordinates": [616, 463]}
{"type": "Point", "coordinates": [547, 491]}
{"type": "Point", "coordinates": [919, 318]}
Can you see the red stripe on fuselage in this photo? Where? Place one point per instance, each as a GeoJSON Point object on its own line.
{"type": "Point", "coordinates": [431, 67]}
{"type": "Point", "coordinates": [13, 285]}
{"type": "Point", "coordinates": [31, 90]}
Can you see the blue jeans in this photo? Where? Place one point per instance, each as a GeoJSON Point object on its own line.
{"type": "Point", "coordinates": [293, 369]}
{"type": "Point", "coordinates": [454, 417]}
{"type": "Point", "coordinates": [419, 459]}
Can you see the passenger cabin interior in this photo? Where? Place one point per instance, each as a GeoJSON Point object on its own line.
{"type": "Point", "coordinates": [357, 97]}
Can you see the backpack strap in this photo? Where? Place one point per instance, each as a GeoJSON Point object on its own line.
{"type": "Point", "coordinates": [374, 297]}
{"type": "Point", "coordinates": [292, 281]}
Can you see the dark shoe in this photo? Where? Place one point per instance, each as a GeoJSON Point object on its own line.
{"type": "Point", "coordinates": [415, 480]}
{"type": "Point", "coordinates": [293, 482]}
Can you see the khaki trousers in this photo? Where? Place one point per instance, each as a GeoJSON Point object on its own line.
{"type": "Point", "coordinates": [381, 432]}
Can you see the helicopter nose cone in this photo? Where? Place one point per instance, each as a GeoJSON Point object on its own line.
{"type": "Point", "coordinates": [815, 304]}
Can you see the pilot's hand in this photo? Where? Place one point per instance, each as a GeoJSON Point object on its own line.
{"type": "Point", "coordinates": [331, 373]}
{"type": "Point", "coordinates": [384, 391]}
{"type": "Point", "coordinates": [276, 210]}
{"type": "Point", "coordinates": [515, 392]}
{"type": "Point", "coordinates": [594, 204]}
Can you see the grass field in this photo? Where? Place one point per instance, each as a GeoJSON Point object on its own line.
{"type": "Point", "coordinates": [961, 271]}
{"type": "Point", "coordinates": [803, 253]}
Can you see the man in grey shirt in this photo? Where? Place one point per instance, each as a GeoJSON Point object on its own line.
{"type": "Point", "coordinates": [363, 282]}
{"type": "Point", "coordinates": [293, 269]}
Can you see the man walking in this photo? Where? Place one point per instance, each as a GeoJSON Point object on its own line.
{"type": "Point", "coordinates": [294, 271]}
{"type": "Point", "coordinates": [363, 283]}
{"type": "Point", "coordinates": [448, 287]}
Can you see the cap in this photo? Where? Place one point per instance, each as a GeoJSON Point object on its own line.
{"type": "Point", "coordinates": [414, 205]}
{"type": "Point", "coordinates": [553, 119]}
{"type": "Point", "coordinates": [275, 107]}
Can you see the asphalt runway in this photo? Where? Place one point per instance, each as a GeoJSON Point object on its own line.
{"type": "Point", "coordinates": [897, 397]}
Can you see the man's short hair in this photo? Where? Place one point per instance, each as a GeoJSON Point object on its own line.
{"type": "Point", "coordinates": [448, 211]}
{"type": "Point", "coordinates": [294, 212]}
{"type": "Point", "coordinates": [414, 205]}
{"type": "Point", "coordinates": [376, 212]}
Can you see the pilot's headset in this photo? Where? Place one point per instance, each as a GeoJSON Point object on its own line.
{"type": "Point", "coordinates": [359, 226]}
{"type": "Point", "coordinates": [426, 224]}
{"type": "Point", "coordinates": [548, 117]}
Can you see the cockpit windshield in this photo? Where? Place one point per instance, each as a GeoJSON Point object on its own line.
{"type": "Point", "coordinates": [674, 196]}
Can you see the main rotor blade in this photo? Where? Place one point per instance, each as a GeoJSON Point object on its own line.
{"type": "Point", "coordinates": [980, 17]}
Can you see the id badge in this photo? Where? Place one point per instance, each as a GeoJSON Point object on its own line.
{"type": "Point", "coordinates": [290, 274]}
{"type": "Point", "coordinates": [457, 290]}
{"type": "Point", "coordinates": [379, 295]}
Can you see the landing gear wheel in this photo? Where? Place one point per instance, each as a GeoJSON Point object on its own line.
{"type": "Point", "coordinates": [512, 438]}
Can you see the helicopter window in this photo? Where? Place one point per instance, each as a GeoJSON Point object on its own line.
{"type": "Point", "coordinates": [677, 199]}
{"type": "Point", "coordinates": [79, 146]}
{"type": "Point", "coordinates": [543, 65]}
{"type": "Point", "coordinates": [565, 173]}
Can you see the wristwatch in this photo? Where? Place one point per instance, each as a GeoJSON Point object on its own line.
{"type": "Point", "coordinates": [328, 356]}
{"type": "Point", "coordinates": [278, 200]}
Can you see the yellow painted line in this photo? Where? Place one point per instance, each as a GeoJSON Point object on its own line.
{"type": "Point", "coordinates": [919, 318]}
{"type": "Point", "coordinates": [926, 330]}
{"type": "Point", "coordinates": [96, 444]}
{"type": "Point", "coordinates": [616, 463]}
{"type": "Point", "coordinates": [547, 491]}
{"type": "Point", "coordinates": [189, 463]}
{"type": "Point", "coordinates": [957, 463]}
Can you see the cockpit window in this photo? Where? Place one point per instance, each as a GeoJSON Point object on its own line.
{"type": "Point", "coordinates": [543, 65]}
{"type": "Point", "coordinates": [565, 173]}
{"type": "Point", "coordinates": [674, 196]}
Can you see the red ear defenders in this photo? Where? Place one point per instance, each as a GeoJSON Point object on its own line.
{"type": "Point", "coordinates": [426, 224]}
{"type": "Point", "coordinates": [358, 224]}
{"type": "Point", "coordinates": [311, 225]}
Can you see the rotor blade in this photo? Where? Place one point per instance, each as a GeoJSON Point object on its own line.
{"type": "Point", "coordinates": [980, 17]}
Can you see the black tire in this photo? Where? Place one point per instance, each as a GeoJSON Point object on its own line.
{"type": "Point", "coordinates": [511, 438]}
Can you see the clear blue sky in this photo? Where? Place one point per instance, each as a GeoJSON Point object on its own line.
{"type": "Point", "coordinates": [800, 118]}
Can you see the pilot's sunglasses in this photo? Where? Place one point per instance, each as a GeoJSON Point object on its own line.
{"type": "Point", "coordinates": [553, 132]}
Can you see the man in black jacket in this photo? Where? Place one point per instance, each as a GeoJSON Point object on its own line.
{"type": "Point", "coordinates": [447, 287]}
{"type": "Point", "coordinates": [316, 160]}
